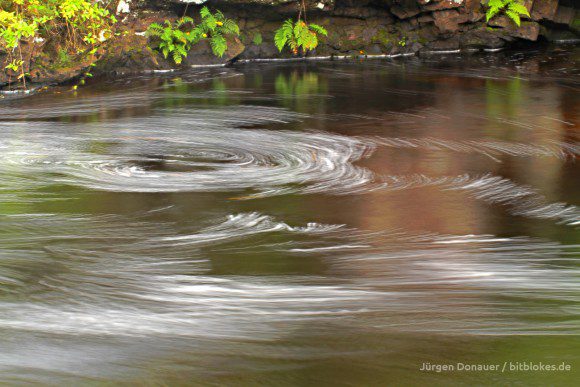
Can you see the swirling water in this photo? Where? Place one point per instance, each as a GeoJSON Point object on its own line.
{"type": "Point", "coordinates": [332, 223]}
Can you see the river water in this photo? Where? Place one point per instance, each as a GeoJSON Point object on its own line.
{"type": "Point", "coordinates": [299, 224]}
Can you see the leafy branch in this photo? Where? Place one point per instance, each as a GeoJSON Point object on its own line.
{"type": "Point", "coordinates": [300, 35]}
{"type": "Point", "coordinates": [176, 39]}
{"type": "Point", "coordinates": [514, 9]}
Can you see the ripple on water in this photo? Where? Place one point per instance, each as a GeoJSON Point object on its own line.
{"type": "Point", "coordinates": [78, 285]}
{"type": "Point", "coordinates": [193, 153]}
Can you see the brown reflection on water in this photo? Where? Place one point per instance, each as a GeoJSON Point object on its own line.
{"type": "Point", "coordinates": [366, 304]}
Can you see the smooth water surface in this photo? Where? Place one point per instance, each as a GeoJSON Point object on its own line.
{"type": "Point", "coordinates": [329, 223]}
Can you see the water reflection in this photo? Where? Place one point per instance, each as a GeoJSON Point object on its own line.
{"type": "Point", "coordinates": [302, 91]}
{"type": "Point", "coordinates": [300, 224]}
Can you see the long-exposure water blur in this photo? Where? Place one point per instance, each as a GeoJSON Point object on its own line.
{"type": "Point", "coordinates": [295, 224]}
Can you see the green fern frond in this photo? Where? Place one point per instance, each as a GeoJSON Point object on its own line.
{"type": "Point", "coordinates": [513, 9]}
{"type": "Point", "coordinates": [288, 26]}
{"type": "Point", "coordinates": [231, 27]}
{"type": "Point", "coordinates": [496, 3]}
{"type": "Point", "coordinates": [205, 12]}
{"type": "Point", "coordinates": [174, 39]}
{"type": "Point", "coordinates": [514, 16]}
{"type": "Point", "coordinates": [210, 22]}
{"type": "Point", "coordinates": [283, 34]}
{"type": "Point", "coordinates": [298, 29]}
{"type": "Point", "coordinates": [181, 50]}
{"type": "Point", "coordinates": [318, 29]}
{"type": "Point", "coordinates": [177, 57]}
{"type": "Point", "coordinates": [218, 45]}
{"type": "Point", "coordinates": [311, 42]}
{"type": "Point", "coordinates": [154, 29]}
{"type": "Point", "coordinates": [491, 13]}
{"type": "Point", "coordinates": [299, 35]}
{"type": "Point", "coordinates": [519, 8]}
{"type": "Point", "coordinates": [219, 15]}
{"type": "Point", "coordinates": [184, 20]}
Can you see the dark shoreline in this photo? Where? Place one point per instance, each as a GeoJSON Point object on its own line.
{"type": "Point", "coordinates": [363, 30]}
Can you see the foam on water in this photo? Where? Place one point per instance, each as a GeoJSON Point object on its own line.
{"type": "Point", "coordinates": [488, 148]}
{"type": "Point", "coordinates": [139, 289]}
{"type": "Point", "coordinates": [194, 151]}
{"type": "Point", "coordinates": [206, 151]}
{"type": "Point", "coordinates": [519, 200]}
{"type": "Point", "coordinates": [99, 297]}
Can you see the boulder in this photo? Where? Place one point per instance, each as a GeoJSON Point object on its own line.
{"type": "Point", "coordinates": [439, 5]}
{"type": "Point", "coordinates": [404, 9]}
{"type": "Point", "coordinates": [201, 53]}
{"type": "Point", "coordinates": [449, 20]}
{"type": "Point", "coordinates": [527, 31]}
{"type": "Point", "coordinates": [544, 9]}
{"type": "Point", "coordinates": [565, 15]}
{"type": "Point", "coordinates": [482, 38]}
{"type": "Point", "coordinates": [450, 44]}
{"type": "Point", "coordinates": [321, 5]}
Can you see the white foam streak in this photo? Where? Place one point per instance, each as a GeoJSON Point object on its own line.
{"type": "Point", "coordinates": [489, 148]}
{"type": "Point", "coordinates": [201, 151]}
{"type": "Point", "coordinates": [519, 200]}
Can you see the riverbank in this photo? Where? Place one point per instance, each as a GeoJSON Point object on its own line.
{"type": "Point", "coordinates": [355, 29]}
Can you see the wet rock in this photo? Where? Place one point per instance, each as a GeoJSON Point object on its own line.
{"type": "Point", "coordinates": [482, 38]}
{"type": "Point", "coordinates": [451, 44]}
{"type": "Point", "coordinates": [472, 5]}
{"type": "Point", "coordinates": [405, 9]}
{"type": "Point", "coordinates": [319, 5]}
{"type": "Point", "coordinates": [129, 52]}
{"type": "Point", "coordinates": [374, 49]}
{"type": "Point", "coordinates": [371, 26]}
{"type": "Point", "coordinates": [440, 5]}
{"type": "Point", "coordinates": [527, 31]}
{"type": "Point", "coordinates": [201, 53]}
{"type": "Point", "coordinates": [558, 35]}
{"type": "Point", "coordinates": [364, 13]}
{"type": "Point", "coordinates": [449, 20]}
{"type": "Point", "coordinates": [544, 9]}
{"type": "Point", "coordinates": [425, 19]}
{"type": "Point", "coordinates": [565, 15]}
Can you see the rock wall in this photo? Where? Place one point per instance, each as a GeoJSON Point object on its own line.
{"type": "Point", "coordinates": [382, 26]}
{"type": "Point", "coordinates": [367, 27]}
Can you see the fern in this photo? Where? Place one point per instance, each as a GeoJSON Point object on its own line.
{"type": "Point", "coordinates": [184, 20]}
{"type": "Point", "coordinates": [171, 40]}
{"type": "Point", "coordinates": [284, 35]}
{"type": "Point", "coordinates": [215, 26]}
{"type": "Point", "coordinates": [299, 35]}
{"type": "Point", "coordinates": [205, 12]}
{"type": "Point", "coordinates": [218, 45]}
{"type": "Point", "coordinates": [514, 9]}
{"type": "Point", "coordinates": [155, 29]}
{"type": "Point", "coordinates": [231, 27]}
{"type": "Point", "coordinates": [176, 39]}
{"type": "Point", "coordinates": [318, 29]}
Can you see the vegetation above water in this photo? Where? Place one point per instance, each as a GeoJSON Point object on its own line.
{"type": "Point", "coordinates": [75, 26]}
{"type": "Point", "coordinates": [514, 9]}
{"type": "Point", "coordinates": [176, 39]}
{"type": "Point", "coordinates": [299, 35]}
{"type": "Point", "coordinates": [56, 40]}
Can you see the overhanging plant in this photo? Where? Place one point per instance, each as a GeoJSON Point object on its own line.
{"type": "Point", "coordinates": [299, 35]}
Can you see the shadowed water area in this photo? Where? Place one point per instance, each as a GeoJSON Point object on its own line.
{"type": "Point", "coordinates": [322, 223]}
